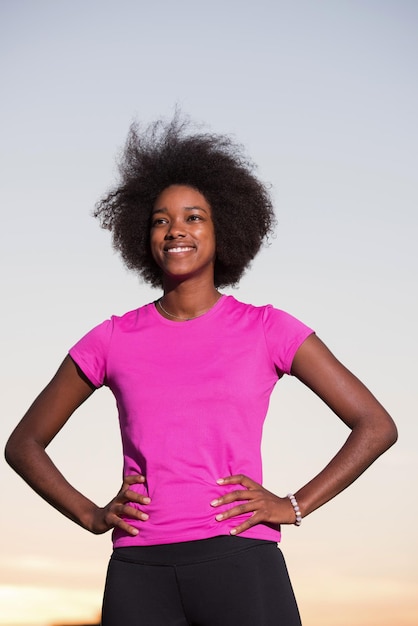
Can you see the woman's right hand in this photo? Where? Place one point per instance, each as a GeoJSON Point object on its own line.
{"type": "Point", "coordinates": [111, 515]}
{"type": "Point", "coordinates": [25, 452]}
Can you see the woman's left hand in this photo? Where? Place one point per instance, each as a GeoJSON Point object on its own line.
{"type": "Point", "coordinates": [264, 505]}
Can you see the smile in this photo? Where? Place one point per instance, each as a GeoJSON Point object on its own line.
{"type": "Point", "coordinates": [179, 249]}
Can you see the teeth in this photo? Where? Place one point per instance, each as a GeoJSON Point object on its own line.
{"type": "Point", "coordinates": [180, 249]}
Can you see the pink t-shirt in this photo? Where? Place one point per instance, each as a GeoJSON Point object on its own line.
{"type": "Point", "coordinates": [192, 398]}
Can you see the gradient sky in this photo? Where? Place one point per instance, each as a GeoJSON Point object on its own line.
{"type": "Point", "coordinates": [323, 94]}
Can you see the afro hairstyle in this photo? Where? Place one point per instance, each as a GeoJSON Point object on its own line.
{"type": "Point", "coordinates": [170, 153]}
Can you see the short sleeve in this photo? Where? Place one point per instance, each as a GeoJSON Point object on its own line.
{"type": "Point", "coordinates": [90, 353]}
{"type": "Point", "coordinates": [284, 335]}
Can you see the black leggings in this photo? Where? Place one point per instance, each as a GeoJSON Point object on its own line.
{"type": "Point", "coordinates": [224, 581]}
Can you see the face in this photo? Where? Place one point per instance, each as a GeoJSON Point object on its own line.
{"type": "Point", "coordinates": [182, 234]}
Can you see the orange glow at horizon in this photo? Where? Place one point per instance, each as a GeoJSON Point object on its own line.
{"type": "Point", "coordinates": [376, 606]}
{"type": "Point", "coordinates": [46, 606]}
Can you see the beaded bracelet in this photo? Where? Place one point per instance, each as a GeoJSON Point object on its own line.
{"type": "Point", "coordinates": [295, 505]}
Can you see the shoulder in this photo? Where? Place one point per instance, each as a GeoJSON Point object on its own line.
{"type": "Point", "coordinates": [244, 308]}
{"type": "Point", "coordinates": [129, 320]}
{"type": "Point", "coordinates": [266, 313]}
{"type": "Point", "coordinates": [92, 352]}
{"type": "Point", "coordinates": [102, 333]}
{"type": "Point", "coordinates": [282, 333]}
{"type": "Point", "coordinates": [131, 316]}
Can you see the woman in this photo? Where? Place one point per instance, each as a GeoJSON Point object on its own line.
{"type": "Point", "coordinates": [195, 533]}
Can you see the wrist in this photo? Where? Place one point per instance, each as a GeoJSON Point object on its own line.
{"type": "Point", "coordinates": [296, 510]}
{"type": "Point", "coordinates": [89, 518]}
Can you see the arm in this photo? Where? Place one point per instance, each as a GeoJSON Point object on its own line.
{"type": "Point", "coordinates": [25, 452]}
{"type": "Point", "coordinates": [372, 429]}
{"type": "Point", "coordinates": [372, 432]}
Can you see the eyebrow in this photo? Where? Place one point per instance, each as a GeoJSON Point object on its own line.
{"type": "Point", "coordinates": [186, 208]}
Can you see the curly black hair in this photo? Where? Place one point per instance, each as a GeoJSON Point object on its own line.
{"type": "Point", "coordinates": [167, 153]}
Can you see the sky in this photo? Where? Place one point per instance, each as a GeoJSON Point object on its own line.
{"type": "Point", "coordinates": [323, 95]}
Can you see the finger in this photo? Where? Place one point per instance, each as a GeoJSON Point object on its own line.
{"type": "Point", "coordinates": [233, 496]}
{"type": "Point", "coordinates": [120, 523]}
{"type": "Point", "coordinates": [115, 516]}
{"type": "Point", "coordinates": [238, 479]}
{"type": "Point", "coordinates": [248, 507]}
{"type": "Point", "coordinates": [133, 479]}
{"type": "Point", "coordinates": [132, 496]}
{"type": "Point", "coordinates": [129, 511]}
{"type": "Point", "coordinates": [244, 526]}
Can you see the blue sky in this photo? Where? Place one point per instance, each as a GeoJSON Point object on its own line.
{"type": "Point", "coordinates": [323, 94]}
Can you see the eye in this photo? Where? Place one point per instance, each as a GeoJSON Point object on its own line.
{"type": "Point", "coordinates": [194, 218]}
{"type": "Point", "coordinates": [158, 221]}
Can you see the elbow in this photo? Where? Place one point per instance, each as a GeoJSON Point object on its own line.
{"type": "Point", "coordinates": [392, 434]}
{"type": "Point", "coordinates": [387, 434]}
{"type": "Point", "coordinates": [11, 453]}
{"type": "Point", "coordinates": [379, 433]}
{"type": "Point", "coordinates": [16, 452]}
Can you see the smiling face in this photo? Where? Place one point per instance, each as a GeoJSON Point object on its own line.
{"type": "Point", "coordinates": [182, 234]}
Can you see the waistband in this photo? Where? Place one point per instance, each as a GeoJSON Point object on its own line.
{"type": "Point", "coordinates": [188, 552]}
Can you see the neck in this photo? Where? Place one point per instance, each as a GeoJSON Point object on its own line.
{"type": "Point", "coordinates": [186, 302]}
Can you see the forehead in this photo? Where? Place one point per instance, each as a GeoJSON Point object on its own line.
{"type": "Point", "coordinates": [181, 196]}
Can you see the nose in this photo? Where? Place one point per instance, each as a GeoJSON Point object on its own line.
{"type": "Point", "coordinates": [175, 229]}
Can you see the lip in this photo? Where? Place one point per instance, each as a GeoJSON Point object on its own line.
{"type": "Point", "coordinates": [178, 249]}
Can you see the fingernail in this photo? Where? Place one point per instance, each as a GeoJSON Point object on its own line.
{"type": "Point", "coordinates": [146, 500]}
{"type": "Point", "coordinates": [144, 516]}
{"type": "Point", "coordinates": [219, 517]}
{"type": "Point", "coordinates": [220, 481]}
{"type": "Point", "coordinates": [233, 531]}
{"type": "Point", "coordinates": [214, 502]}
